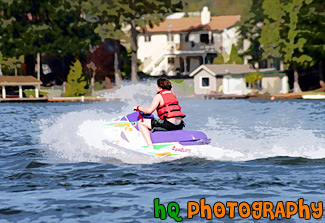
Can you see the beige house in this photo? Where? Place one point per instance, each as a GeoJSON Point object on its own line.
{"type": "Point", "coordinates": [181, 44]}
{"type": "Point", "coordinates": [230, 79]}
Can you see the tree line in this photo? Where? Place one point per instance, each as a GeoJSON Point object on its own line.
{"type": "Point", "coordinates": [62, 27]}
{"type": "Point", "coordinates": [291, 31]}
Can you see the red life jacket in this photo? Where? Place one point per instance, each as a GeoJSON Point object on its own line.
{"type": "Point", "coordinates": [170, 108]}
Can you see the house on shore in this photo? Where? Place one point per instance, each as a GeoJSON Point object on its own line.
{"type": "Point", "coordinates": [231, 79]}
{"type": "Point", "coordinates": [179, 45]}
{"type": "Point", "coordinates": [8, 85]}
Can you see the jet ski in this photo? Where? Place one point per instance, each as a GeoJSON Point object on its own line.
{"type": "Point", "coordinates": [124, 133]}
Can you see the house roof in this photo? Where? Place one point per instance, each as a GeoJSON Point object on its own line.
{"type": "Point", "coordinates": [224, 69]}
{"type": "Point", "coordinates": [18, 80]}
{"type": "Point", "coordinates": [186, 24]}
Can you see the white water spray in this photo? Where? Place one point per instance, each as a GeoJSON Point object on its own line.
{"type": "Point", "coordinates": [77, 136]}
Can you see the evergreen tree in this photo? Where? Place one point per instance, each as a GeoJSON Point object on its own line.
{"type": "Point", "coordinates": [234, 58]}
{"type": "Point", "coordinates": [250, 29]}
{"type": "Point", "coordinates": [219, 59]}
{"type": "Point", "coordinates": [312, 23]}
{"type": "Point", "coordinates": [76, 82]}
{"type": "Point", "coordinates": [281, 36]}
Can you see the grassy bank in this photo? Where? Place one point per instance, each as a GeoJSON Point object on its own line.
{"type": "Point", "coordinates": [317, 91]}
{"type": "Point", "coordinates": [31, 93]}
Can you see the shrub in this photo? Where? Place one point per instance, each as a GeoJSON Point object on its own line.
{"type": "Point", "coordinates": [76, 83]}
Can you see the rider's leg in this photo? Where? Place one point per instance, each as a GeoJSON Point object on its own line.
{"type": "Point", "coordinates": [144, 127]}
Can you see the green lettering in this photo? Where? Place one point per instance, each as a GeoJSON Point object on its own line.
{"type": "Point", "coordinates": [159, 209]}
{"type": "Point", "coordinates": [173, 211]}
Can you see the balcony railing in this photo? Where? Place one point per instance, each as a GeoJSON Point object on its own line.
{"type": "Point", "coordinates": [192, 46]}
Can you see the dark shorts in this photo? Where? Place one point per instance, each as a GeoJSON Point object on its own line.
{"type": "Point", "coordinates": [164, 125]}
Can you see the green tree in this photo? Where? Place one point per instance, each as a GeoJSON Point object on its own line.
{"type": "Point", "coordinates": [107, 17]}
{"type": "Point", "coordinates": [234, 58]}
{"type": "Point", "coordinates": [250, 30]}
{"type": "Point", "coordinates": [218, 7]}
{"type": "Point", "coordinates": [281, 37]}
{"type": "Point", "coordinates": [111, 17]}
{"type": "Point", "coordinates": [76, 82]}
{"type": "Point", "coordinates": [142, 13]}
{"type": "Point", "coordinates": [219, 59]}
{"type": "Point", "coordinates": [312, 23]}
{"type": "Point", "coordinates": [29, 27]}
{"type": "Point", "coordinates": [270, 37]}
{"type": "Point", "coordinates": [253, 78]}
{"type": "Point", "coordinates": [12, 63]}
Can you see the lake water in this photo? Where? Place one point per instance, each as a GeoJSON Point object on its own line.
{"type": "Point", "coordinates": [261, 150]}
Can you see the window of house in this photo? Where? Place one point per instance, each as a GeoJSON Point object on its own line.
{"type": "Point", "coordinates": [205, 82]}
{"type": "Point", "coordinates": [256, 85]}
{"type": "Point", "coordinates": [187, 37]}
{"type": "Point", "coordinates": [171, 60]}
{"type": "Point", "coordinates": [204, 38]}
{"type": "Point", "coordinates": [181, 37]}
{"type": "Point", "coordinates": [147, 38]}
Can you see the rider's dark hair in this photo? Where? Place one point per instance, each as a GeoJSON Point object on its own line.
{"type": "Point", "coordinates": [164, 83]}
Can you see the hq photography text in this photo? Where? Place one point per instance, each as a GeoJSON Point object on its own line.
{"type": "Point", "coordinates": [233, 209]}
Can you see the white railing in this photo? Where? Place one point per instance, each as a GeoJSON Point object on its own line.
{"type": "Point", "coordinates": [158, 56]}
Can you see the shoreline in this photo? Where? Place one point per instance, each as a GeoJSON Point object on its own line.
{"type": "Point", "coordinates": [271, 97]}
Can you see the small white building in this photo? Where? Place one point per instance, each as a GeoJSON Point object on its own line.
{"type": "Point", "coordinates": [230, 79]}
{"type": "Point", "coordinates": [181, 44]}
{"type": "Point", "coordinates": [20, 82]}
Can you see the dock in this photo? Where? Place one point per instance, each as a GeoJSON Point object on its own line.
{"type": "Point", "coordinates": [82, 99]}
{"type": "Point", "coordinates": [54, 99]}
{"type": "Point", "coordinates": [41, 99]}
{"type": "Point", "coordinates": [289, 96]}
{"type": "Point", "coordinates": [254, 96]}
{"type": "Point", "coordinates": [224, 96]}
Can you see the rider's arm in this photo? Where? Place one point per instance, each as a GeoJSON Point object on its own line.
{"type": "Point", "coordinates": [154, 104]}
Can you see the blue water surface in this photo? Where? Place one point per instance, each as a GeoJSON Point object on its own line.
{"type": "Point", "coordinates": [261, 150]}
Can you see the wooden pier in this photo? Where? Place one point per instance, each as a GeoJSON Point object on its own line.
{"type": "Point", "coordinates": [23, 100]}
{"type": "Point", "coordinates": [224, 96]}
{"type": "Point", "coordinates": [257, 96]}
{"type": "Point", "coordinates": [55, 99]}
{"type": "Point", "coordinates": [82, 99]}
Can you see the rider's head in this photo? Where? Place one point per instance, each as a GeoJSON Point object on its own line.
{"type": "Point", "coordinates": [164, 83]}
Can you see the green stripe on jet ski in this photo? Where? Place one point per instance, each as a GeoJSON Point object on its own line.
{"type": "Point", "coordinates": [157, 147]}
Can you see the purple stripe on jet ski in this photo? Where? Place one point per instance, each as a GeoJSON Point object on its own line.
{"type": "Point", "coordinates": [184, 137]}
{"type": "Point", "coordinates": [123, 136]}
